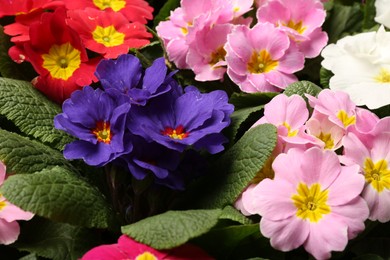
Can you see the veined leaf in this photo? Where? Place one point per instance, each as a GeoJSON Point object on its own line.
{"type": "Point", "coordinates": [31, 111]}
{"type": "Point", "coordinates": [301, 88]}
{"type": "Point", "coordinates": [172, 228]}
{"type": "Point", "coordinates": [59, 195]}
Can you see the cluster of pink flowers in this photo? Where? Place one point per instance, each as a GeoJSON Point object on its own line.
{"type": "Point", "coordinates": [330, 172]}
{"type": "Point", "coordinates": [54, 37]}
{"type": "Point", "coordinates": [216, 37]}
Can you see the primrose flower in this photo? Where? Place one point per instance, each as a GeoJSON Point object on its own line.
{"type": "Point", "coordinates": [300, 19]}
{"type": "Point", "coordinates": [127, 75]}
{"type": "Point", "coordinates": [58, 56]}
{"type": "Point", "coordinates": [361, 67]}
{"type": "Point", "coordinates": [382, 14]}
{"type": "Point", "coordinates": [9, 214]}
{"type": "Point", "coordinates": [107, 33]}
{"type": "Point", "coordinates": [262, 59]}
{"type": "Point", "coordinates": [312, 201]}
{"type": "Point", "coordinates": [98, 120]}
{"type": "Point", "coordinates": [128, 248]}
{"type": "Point", "coordinates": [134, 10]}
{"type": "Point", "coordinates": [336, 105]}
{"type": "Point", "coordinates": [374, 162]}
{"type": "Point", "coordinates": [179, 121]}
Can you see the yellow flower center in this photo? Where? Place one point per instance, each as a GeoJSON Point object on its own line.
{"type": "Point", "coordinates": [261, 62]}
{"type": "Point", "coordinates": [108, 36]}
{"type": "Point", "coordinates": [345, 119]}
{"type": "Point", "coordinates": [2, 203]}
{"type": "Point", "coordinates": [290, 133]}
{"type": "Point", "coordinates": [62, 61]}
{"type": "Point", "coordinates": [311, 202]}
{"type": "Point", "coordinates": [217, 55]}
{"type": "Point", "coordinates": [146, 256]}
{"type": "Point", "coordinates": [115, 5]}
{"type": "Point", "coordinates": [178, 133]}
{"type": "Point", "coordinates": [295, 26]}
{"type": "Point", "coordinates": [102, 131]}
{"type": "Point", "coordinates": [327, 139]}
{"type": "Point", "coordinates": [383, 76]}
{"type": "Point", "coordinates": [377, 174]}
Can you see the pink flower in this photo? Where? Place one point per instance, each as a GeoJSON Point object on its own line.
{"type": "Point", "coordinates": [262, 59]}
{"type": "Point", "coordinates": [206, 54]}
{"type": "Point", "coordinates": [301, 19]}
{"type": "Point", "coordinates": [374, 162]}
{"type": "Point", "coordinates": [9, 214]}
{"type": "Point", "coordinates": [312, 201]}
{"type": "Point", "coordinates": [128, 248]}
{"type": "Point", "coordinates": [336, 105]}
{"type": "Point", "coordinates": [288, 114]}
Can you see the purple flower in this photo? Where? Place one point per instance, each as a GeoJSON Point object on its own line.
{"type": "Point", "coordinates": [98, 120]}
{"type": "Point", "coordinates": [180, 121]}
{"type": "Point", "coordinates": [127, 75]}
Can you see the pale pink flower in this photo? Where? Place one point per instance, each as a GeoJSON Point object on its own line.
{"type": "Point", "coordinates": [336, 105]}
{"type": "Point", "coordinates": [206, 54]}
{"type": "Point", "coordinates": [312, 201]}
{"type": "Point", "coordinates": [300, 19]}
{"type": "Point", "coordinates": [329, 133]}
{"type": "Point", "coordinates": [289, 115]}
{"type": "Point", "coordinates": [374, 162]}
{"type": "Point", "coordinates": [262, 59]}
{"type": "Point", "coordinates": [9, 214]}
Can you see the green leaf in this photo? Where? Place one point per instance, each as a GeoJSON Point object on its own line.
{"type": "Point", "coordinates": [57, 241]}
{"type": "Point", "coordinates": [369, 13]}
{"type": "Point", "coordinates": [220, 242]}
{"type": "Point", "coordinates": [233, 171]}
{"type": "Point", "coordinates": [32, 112]}
{"type": "Point", "coordinates": [172, 228]}
{"type": "Point", "coordinates": [59, 195]}
{"type": "Point", "coordinates": [368, 257]}
{"type": "Point", "coordinates": [164, 12]}
{"type": "Point", "coordinates": [246, 100]}
{"type": "Point", "coordinates": [29, 257]}
{"type": "Point", "coordinates": [22, 155]}
{"type": "Point", "coordinates": [301, 88]}
{"type": "Point", "coordinates": [231, 213]}
{"type": "Point", "coordinates": [325, 76]}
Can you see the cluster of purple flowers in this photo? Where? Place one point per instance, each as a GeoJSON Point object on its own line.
{"type": "Point", "coordinates": [143, 119]}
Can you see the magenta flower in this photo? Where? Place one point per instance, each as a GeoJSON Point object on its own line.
{"type": "Point", "coordinates": [262, 59]}
{"type": "Point", "coordinates": [312, 201]}
{"type": "Point", "coordinates": [301, 20]}
{"type": "Point", "coordinates": [128, 248]}
{"type": "Point", "coordinates": [9, 214]}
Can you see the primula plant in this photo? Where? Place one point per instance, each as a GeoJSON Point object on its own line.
{"type": "Point", "coordinates": [194, 129]}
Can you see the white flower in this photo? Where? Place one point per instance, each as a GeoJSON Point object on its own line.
{"type": "Point", "coordinates": [383, 12]}
{"type": "Point", "coordinates": [361, 67]}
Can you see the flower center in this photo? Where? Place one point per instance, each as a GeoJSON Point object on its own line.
{"type": "Point", "coordinates": [327, 139]}
{"type": "Point", "coordinates": [146, 256]}
{"type": "Point", "coordinates": [290, 133]}
{"type": "Point", "coordinates": [345, 119]}
{"type": "Point", "coordinates": [115, 5]}
{"type": "Point", "coordinates": [108, 36]}
{"type": "Point", "coordinates": [102, 132]}
{"type": "Point", "coordinates": [218, 55]}
{"type": "Point", "coordinates": [261, 62]}
{"type": "Point", "coordinates": [377, 174]}
{"type": "Point", "coordinates": [177, 133]}
{"type": "Point", "coordinates": [311, 202]}
{"type": "Point", "coordinates": [62, 61]}
{"type": "Point", "coordinates": [2, 203]}
{"type": "Point", "coordinates": [383, 76]}
{"type": "Point", "coordinates": [295, 26]}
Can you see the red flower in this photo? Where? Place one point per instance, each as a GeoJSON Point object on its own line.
{"type": "Point", "coordinates": [107, 32]}
{"type": "Point", "coordinates": [134, 10]}
{"type": "Point", "coordinates": [127, 248]}
{"type": "Point", "coordinates": [58, 56]}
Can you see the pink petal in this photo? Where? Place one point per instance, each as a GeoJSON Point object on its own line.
{"type": "Point", "coordinates": [329, 234]}
{"type": "Point", "coordinates": [270, 199]}
{"type": "Point", "coordinates": [11, 213]}
{"type": "Point", "coordinates": [238, 44]}
{"type": "Point", "coordinates": [279, 79]}
{"type": "Point", "coordinates": [2, 172]}
{"type": "Point", "coordinates": [287, 166]}
{"type": "Point", "coordinates": [354, 149]}
{"type": "Point", "coordinates": [9, 232]}
{"type": "Point", "coordinates": [286, 234]}
{"type": "Point", "coordinates": [348, 185]}
{"type": "Point", "coordinates": [371, 196]}
{"type": "Point", "coordinates": [313, 47]}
